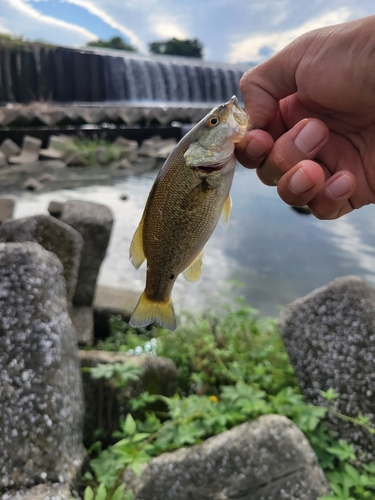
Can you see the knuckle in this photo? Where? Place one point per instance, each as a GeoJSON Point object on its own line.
{"type": "Point", "coordinates": [269, 176]}
{"type": "Point", "coordinates": [278, 162]}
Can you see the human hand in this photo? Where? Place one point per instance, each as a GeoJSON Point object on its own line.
{"type": "Point", "coordinates": [314, 102]}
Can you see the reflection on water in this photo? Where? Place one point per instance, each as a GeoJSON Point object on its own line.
{"type": "Point", "coordinates": [276, 253]}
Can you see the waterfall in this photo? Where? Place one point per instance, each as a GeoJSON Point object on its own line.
{"type": "Point", "coordinates": [175, 79]}
{"type": "Point", "coordinates": [59, 74]}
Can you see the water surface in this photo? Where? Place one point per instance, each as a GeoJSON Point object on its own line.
{"type": "Point", "coordinates": [276, 253]}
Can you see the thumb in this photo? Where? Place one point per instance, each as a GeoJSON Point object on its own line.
{"type": "Point", "coordinates": [265, 85]}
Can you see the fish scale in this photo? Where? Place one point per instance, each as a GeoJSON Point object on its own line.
{"type": "Point", "coordinates": [183, 208]}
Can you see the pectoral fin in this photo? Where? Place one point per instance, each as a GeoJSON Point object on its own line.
{"type": "Point", "coordinates": [225, 213]}
{"type": "Point", "coordinates": [193, 273]}
{"type": "Point", "coordinates": [136, 253]}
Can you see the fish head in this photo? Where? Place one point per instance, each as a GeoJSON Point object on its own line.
{"type": "Point", "coordinates": [216, 135]}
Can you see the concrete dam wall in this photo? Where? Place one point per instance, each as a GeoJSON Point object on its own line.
{"type": "Point", "coordinates": [38, 72]}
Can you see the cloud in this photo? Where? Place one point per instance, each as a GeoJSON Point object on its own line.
{"type": "Point", "coordinates": [3, 29]}
{"type": "Point", "coordinates": [347, 236]}
{"type": "Point", "coordinates": [21, 18]}
{"type": "Point", "coordinates": [93, 8]}
{"type": "Point", "coordinates": [166, 26]}
{"type": "Point", "coordinates": [258, 47]}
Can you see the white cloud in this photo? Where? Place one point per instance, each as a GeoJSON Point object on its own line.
{"type": "Point", "coordinates": [347, 236]}
{"type": "Point", "coordinates": [166, 26]}
{"type": "Point", "coordinates": [21, 18]}
{"type": "Point", "coordinates": [93, 8]}
{"type": "Point", "coordinates": [3, 29]}
{"type": "Point", "coordinates": [256, 47]}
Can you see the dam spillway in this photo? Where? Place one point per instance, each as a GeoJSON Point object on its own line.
{"type": "Point", "coordinates": [37, 72]}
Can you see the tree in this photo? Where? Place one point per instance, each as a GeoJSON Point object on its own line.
{"type": "Point", "coordinates": [114, 43]}
{"type": "Point", "coordinates": [175, 47]}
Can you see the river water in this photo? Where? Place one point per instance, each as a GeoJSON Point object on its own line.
{"type": "Point", "coordinates": [277, 254]}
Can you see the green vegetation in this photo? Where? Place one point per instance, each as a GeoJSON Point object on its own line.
{"type": "Point", "coordinates": [232, 368]}
{"type": "Point", "coordinates": [175, 47]}
{"type": "Point", "coordinates": [19, 42]}
{"type": "Point", "coordinates": [115, 42]}
{"type": "Point", "coordinates": [95, 151]}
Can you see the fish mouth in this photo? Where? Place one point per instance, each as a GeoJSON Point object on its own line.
{"type": "Point", "coordinates": [209, 169]}
{"type": "Point", "coordinates": [213, 167]}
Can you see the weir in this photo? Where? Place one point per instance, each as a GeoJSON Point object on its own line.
{"type": "Point", "coordinates": [37, 72]}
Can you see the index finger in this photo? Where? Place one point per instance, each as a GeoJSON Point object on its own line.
{"type": "Point", "coordinates": [265, 85]}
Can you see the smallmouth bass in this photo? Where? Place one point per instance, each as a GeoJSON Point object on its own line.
{"type": "Point", "coordinates": [188, 197]}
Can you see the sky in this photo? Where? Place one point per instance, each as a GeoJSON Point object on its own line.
{"type": "Point", "coordinates": [230, 30]}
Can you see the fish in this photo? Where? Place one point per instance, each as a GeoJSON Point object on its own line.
{"type": "Point", "coordinates": [186, 201]}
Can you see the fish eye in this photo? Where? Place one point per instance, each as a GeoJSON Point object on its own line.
{"type": "Point", "coordinates": [213, 121]}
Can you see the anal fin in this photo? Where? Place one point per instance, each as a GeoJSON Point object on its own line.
{"type": "Point", "coordinates": [193, 273]}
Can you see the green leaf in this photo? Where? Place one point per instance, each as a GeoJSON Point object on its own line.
{"type": "Point", "coordinates": [105, 467]}
{"type": "Point", "coordinates": [88, 494]}
{"type": "Point", "coordinates": [140, 436]}
{"type": "Point", "coordinates": [352, 474]}
{"type": "Point", "coordinates": [308, 417]}
{"type": "Point", "coordinates": [245, 398]}
{"type": "Point", "coordinates": [130, 426]}
{"type": "Point", "coordinates": [122, 372]}
{"type": "Point", "coordinates": [126, 372]}
{"type": "Point", "coordinates": [342, 450]}
{"type": "Point", "coordinates": [129, 495]}
{"type": "Point", "coordinates": [329, 395]}
{"type": "Point", "coordinates": [338, 490]}
{"type": "Point", "coordinates": [363, 420]}
{"type": "Point", "coordinates": [101, 492]}
{"type": "Point", "coordinates": [331, 497]}
{"type": "Point", "coordinates": [119, 492]}
{"type": "Point", "coordinates": [102, 371]}
{"type": "Point", "coordinates": [96, 447]}
{"type": "Point", "coordinates": [87, 476]}
{"type": "Point", "coordinates": [369, 467]}
{"type": "Point", "coordinates": [123, 443]}
{"type": "Point", "coordinates": [142, 400]}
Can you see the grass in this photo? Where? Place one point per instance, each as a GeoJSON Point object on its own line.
{"type": "Point", "coordinates": [95, 151]}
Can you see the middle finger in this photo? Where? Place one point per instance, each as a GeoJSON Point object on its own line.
{"type": "Point", "coordinates": [301, 142]}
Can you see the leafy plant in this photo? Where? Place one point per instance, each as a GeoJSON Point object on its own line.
{"type": "Point", "coordinates": [121, 372]}
{"type": "Point", "coordinates": [232, 368]}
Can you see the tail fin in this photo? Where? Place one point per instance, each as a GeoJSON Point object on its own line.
{"type": "Point", "coordinates": [147, 311]}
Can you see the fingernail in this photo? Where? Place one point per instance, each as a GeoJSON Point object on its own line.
{"type": "Point", "coordinates": [255, 149]}
{"type": "Point", "coordinates": [340, 186]}
{"type": "Point", "coordinates": [300, 183]}
{"type": "Point", "coordinates": [310, 137]}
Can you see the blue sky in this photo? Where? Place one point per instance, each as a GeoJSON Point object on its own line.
{"type": "Point", "coordinates": [230, 30]}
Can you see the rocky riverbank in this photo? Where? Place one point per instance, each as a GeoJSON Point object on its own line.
{"type": "Point", "coordinates": [49, 304]}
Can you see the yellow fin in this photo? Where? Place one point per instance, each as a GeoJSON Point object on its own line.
{"type": "Point", "coordinates": [136, 253]}
{"type": "Point", "coordinates": [225, 214]}
{"type": "Point", "coordinates": [147, 311]}
{"type": "Point", "coordinates": [193, 273]}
